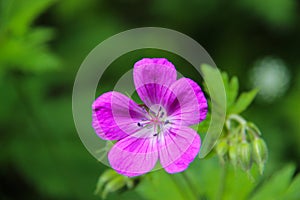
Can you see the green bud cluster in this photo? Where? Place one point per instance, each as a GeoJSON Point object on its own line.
{"type": "Point", "coordinates": [241, 144]}
{"type": "Point", "coordinates": [111, 181]}
{"type": "Point", "coordinates": [260, 153]}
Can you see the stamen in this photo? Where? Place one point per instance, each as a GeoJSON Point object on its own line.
{"type": "Point", "coordinates": [162, 114]}
{"type": "Point", "coordinates": [158, 112]}
{"type": "Point", "coordinates": [155, 121]}
{"type": "Point", "coordinates": [144, 108]}
{"type": "Point", "coordinates": [158, 129]}
{"type": "Point", "coordinates": [149, 126]}
{"type": "Point", "coordinates": [151, 113]}
{"type": "Point", "coordinates": [143, 122]}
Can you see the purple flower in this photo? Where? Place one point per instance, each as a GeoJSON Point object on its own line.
{"type": "Point", "coordinates": [156, 130]}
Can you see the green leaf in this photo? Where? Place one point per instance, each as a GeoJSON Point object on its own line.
{"type": "Point", "coordinates": [113, 185]}
{"type": "Point", "coordinates": [103, 179]}
{"type": "Point", "coordinates": [18, 15]}
{"type": "Point", "coordinates": [216, 89]}
{"type": "Point", "coordinates": [206, 176]}
{"type": "Point", "coordinates": [110, 181]}
{"type": "Point", "coordinates": [276, 185]}
{"type": "Point", "coordinates": [225, 79]}
{"type": "Point", "coordinates": [155, 185]}
{"type": "Point", "coordinates": [293, 190]}
{"type": "Point", "coordinates": [23, 46]}
{"type": "Point", "coordinates": [243, 102]}
{"type": "Point", "coordinates": [29, 52]}
{"type": "Point", "coordinates": [233, 89]}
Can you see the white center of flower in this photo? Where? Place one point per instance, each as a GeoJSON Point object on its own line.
{"type": "Point", "coordinates": [155, 118]}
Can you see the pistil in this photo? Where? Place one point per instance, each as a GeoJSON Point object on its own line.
{"type": "Point", "coordinates": [154, 119]}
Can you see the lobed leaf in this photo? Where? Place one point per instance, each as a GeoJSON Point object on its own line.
{"type": "Point", "coordinates": [233, 89]}
{"type": "Point", "coordinates": [243, 102]}
{"type": "Point", "coordinates": [276, 185]}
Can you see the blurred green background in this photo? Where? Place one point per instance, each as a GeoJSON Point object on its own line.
{"type": "Point", "coordinates": [43, 42]}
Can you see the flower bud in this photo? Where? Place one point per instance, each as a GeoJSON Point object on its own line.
{"type": "Point", "coordinates": [105, 177]}
{"type": "Point", "coordinates": [254, 128]}
{"type": "Point", "coordinates": [260, 153]}
{"type": "Point", "coordinates": [113, 185]}
{"type": "Point", "coordinates": [222, 147]}
{"type": "Point", "coordinates": [232, 153]}
{"type": "Point", "coordinates": [221, 150]}
{"type": "Point", "coordinates": [244, 155]}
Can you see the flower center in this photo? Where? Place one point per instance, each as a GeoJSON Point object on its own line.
{"type": "Point", "coordinates": [155, 118]}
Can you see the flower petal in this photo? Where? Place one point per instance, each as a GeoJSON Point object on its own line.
{"type": "Point", "coordinates": [152, 78]}
{"type": "Point", "coordinates": [179, 149]}
{"type": "Point", "coordinates": [115, 116]}
{"type": "Point", "coordinates": [191, 100]}
{"type": "Point", "coordinates": [133, 156]}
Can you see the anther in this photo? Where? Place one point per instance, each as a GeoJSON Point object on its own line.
{"type": "Point", "coordinates": [162, 114]}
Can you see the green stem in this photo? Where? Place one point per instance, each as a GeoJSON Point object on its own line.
{"type": "Point", "coordinates": [242, 124]}
{"type": "Point", "coordinates": [222, 182]}
{"type": "Point", "coordinates": [181, 191]}
{"type": "Point", "coordinates": [238, 118]}
{"type": "Point", "coordinates": [192, 187]}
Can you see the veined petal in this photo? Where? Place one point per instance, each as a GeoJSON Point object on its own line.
{"type": "Point", "coordinates": [133, 156]}
{"type": "Point", "coordinates": [152, 78]}
{"type": "Point", "coordinates": [115, 116]}
{"type": "Point", "coordinates": [178, 149]}
{"type": "Point", "coordinates": [191, 100]}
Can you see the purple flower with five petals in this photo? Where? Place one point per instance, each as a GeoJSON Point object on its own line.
{"type": "Point", "coordinates": [156, 130]}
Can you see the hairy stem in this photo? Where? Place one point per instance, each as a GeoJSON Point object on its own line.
{"type": "Point", "coordinates": [222, 182]}
{"type": "Point", "coordinates": [181, 191]}
{"type": "Point", "coordinates": [192, 187]}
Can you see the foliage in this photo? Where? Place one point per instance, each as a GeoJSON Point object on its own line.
{"type": "Point", "coordinates": [42, 44]}
{"type": "Point", "coordinates": [224, 178]}
{"type": "Point", "coordinates": [24, 47]}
